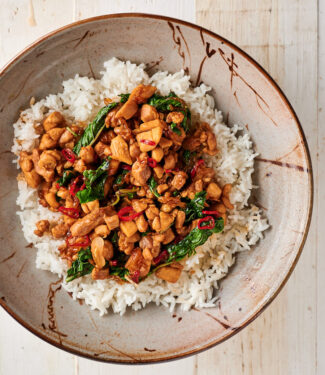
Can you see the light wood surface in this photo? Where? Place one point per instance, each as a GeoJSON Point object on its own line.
{"type": "Point", "coordinates": [288, 38]}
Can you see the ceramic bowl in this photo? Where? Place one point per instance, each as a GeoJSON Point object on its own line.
{"type": "Point", "coordinates": [246, 94]}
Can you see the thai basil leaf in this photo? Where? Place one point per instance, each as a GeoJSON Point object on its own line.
{"type": "Point", "coordinates": [164, 103]}
{"type": "Point", "coordinates": [119, 179]}
{"type": "Point", "coordinates": [124, 97]}
{"type": "Point", "coordinates": [95, 182]}
{"type": "Point", "coordinates": [66, 178]}
{"type": "Point", "coordinates": [187, 119]}
{"type": "Point", "coordinates": [175, 129]}
{"type": "Point", "coordinates": [187, 156]}
{"type": "Point", "coordinates": [94, 129]}
{"type": "Point", "coordinates": [121, 272]}
{"type": "Point", "coordinates": [194, 208]}
{"type": "Point", "coordinates": [81, 266]}
{"type": "Point", "coordinates": [197, 237]}
{"type": "Point", "coordinates": [153, 187]}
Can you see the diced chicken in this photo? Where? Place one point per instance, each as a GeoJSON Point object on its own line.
{"type": "Point", "coordinates": [159, 171]}
{"type": "Point", "coordinates": [140, 205]}
{"type": "Point", "coordinates": [166, 220]}
{"type": "Point", "coordinates": [179, 180]}
{"type": "Point", "coordinates": [112, 221]}
{"type": "Point", "coordinates": [90, 206]}
{"type": "Point", "coordinates": [170, 160]}
{"type": "Point", "coordinates": [148, 113]}
{"type": "Point", "coordinates": [213, 191]}
{"type": "Point", "coordinates": [140, 172]}
{"type": "Point", "coordinates": [138, 95]}
{"type": "Point", "coordinates": [137, 263]}
{"type": "Point", "coordinates": [157, 154]}
{"type": "Point", "coordinates": [102, 230]}
{"type": "Point", "coordinates": [100, 274]}
{"type": "Point", "coordinates": [169, 236]}
{"type": "Point", "coordinates": [53, 120]}
{"type": "Point", "coordinates": [60, 230]}
{"type": "Point", "coordinates": [175, 117]}
{"type": "Point", "coordinates": [113, 167]}
{"type": "Point", "coordinates": [51, 200]}
{"type": "Point", "coordinates": [88, 154]}
{"type": "Point", "coordinates": [148, 140]}
{"type": "Point", "coordinates": [120, 150]}
{"type": "Point", "coordinates": [152, 211]}
{"type": "Point", "coordinates": [89, 222]}
{"type": "Point", "coordinates": [129, 228]}
{"type": "Point", "coordinates": [124, 245]}
{"type": "Point", "coordinates": [146, 126]}
{"type": "Point", "coordinates": [102, 150]}
{"type": "Point", "coordinates": [49, 159]}
{"type": "Point", "coordinates": [141, 224]}
{"type": "Point", "coordinates": [101, 251]}
{"type": "Point", "coordinates": [42, 227]}
{"type": "Point", "coordinates": [170, 273]}
{"type": "Point", "coordinates": [180, 219]}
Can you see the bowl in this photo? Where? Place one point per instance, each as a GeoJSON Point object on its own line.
{"type": "Point", "coordinates": [246, 94]}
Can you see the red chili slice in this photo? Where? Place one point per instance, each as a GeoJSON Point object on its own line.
{"type": "Point", "coordinates": [113, 262]}
{"type": "Point", "coordinates": [205, 212]}
{"type": "Point", "coordinates": [127, 167]}
{"type": "Point", "coordinates": [148, 142]}
{"type": "Point", "coordinates": [70, 211]}
{"type": "Point", "coordinates": [208, 219]}
{"type": "Point", "coordinates": [77, 185]}
{"type": "Point", "coordinates": [68, 155]}
{"type": "Point", "coordinates": [168, 170]}
{"type": "Point", "coordinates": [152, 163]}
{"type": "Point", "coordinates": [57, 186]}
{"type": "Point", "coordinates": [160, 258]}
{"type": "Point", "coordinates": [135, 276]}
{"type": "Point", "coordinates": [128, 210]}
{"type": "Point", "coordinates": [84, 243]}
{"type": "Point", "coordinates": [196, 166]}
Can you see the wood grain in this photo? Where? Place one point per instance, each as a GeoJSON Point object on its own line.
{"type": "Point", "coordinates": [282, 35]}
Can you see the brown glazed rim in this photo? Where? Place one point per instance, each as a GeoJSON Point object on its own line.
{"type": "Point", "coordinates": [311, 185]}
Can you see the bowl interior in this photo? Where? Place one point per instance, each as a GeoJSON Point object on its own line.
{"type": "Point", "coordinates": [246, 95]}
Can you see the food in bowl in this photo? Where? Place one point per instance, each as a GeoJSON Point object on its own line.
{"type": "Point", "coordinates": [134, 190]}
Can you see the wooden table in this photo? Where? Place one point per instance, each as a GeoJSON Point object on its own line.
{"type": "Point", "coordinates": [288, 38]}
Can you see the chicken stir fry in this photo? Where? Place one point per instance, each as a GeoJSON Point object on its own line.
{"type": "Point", "coordinates": [134, 192]}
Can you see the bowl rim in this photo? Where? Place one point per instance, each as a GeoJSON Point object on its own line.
{"type": "Point", "coordinates": [268, 77]}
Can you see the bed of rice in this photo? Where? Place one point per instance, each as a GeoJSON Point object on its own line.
{"type": "Point", "coordinates": [80, 100]}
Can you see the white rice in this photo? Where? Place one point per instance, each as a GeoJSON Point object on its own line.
{"type": "Point", "coordinates": [80, 100]}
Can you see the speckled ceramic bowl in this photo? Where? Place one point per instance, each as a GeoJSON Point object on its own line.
{"type": "Point", "coordinates": [246, 94]}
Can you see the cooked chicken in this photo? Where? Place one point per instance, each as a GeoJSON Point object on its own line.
{"type": "Point", "coordinates": [86, 224]}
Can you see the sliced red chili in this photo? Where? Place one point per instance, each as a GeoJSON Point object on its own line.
{"type": "Point", "coordinates": [84, 243]}
{"type": "Point", "coordinates": [113, 262]}
{"type": "Point", "coordinates": [69, 155]}
{"type": "Point", "coordinates": [122, 214]}
{"type": "Point", "coordinates": [160, 258]}
{"type": "Point", "coordinates": [152, 163]}
{"type": "Point", "coordinates": [205, 212]}
{"type": "Point", "coordinates": [77, 185]}
{"type": "Point", "coordinates": [207, 219]}
{"type": "Point", "coordinates": [70, 211]}
{"type": "Point", "coordinates": [148, 142]}
{"type": "Point", "coordinates": [168, 170]}
{"type": "Point", "coordinates": [135, 276]}
{"type": "Point", "coordinates": [57, 186]}
{"type": "Point", "coordinates": [126, 167]}
{"type": "Point", "coordinates": [196, 166]}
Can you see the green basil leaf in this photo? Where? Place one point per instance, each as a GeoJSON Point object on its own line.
{"type": "Point", "coordinates": [153, 187]}
{"type": "Point", "coordinates": [194, 208]}
{"type": "Point", "coordinates": [94, 129]}
{"type": "Point", "coordinates": [95, 182]}
{"type": "Point", "coordinates": [124, 97]}
{"type": "Point", "coordinates": [81, 266]}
